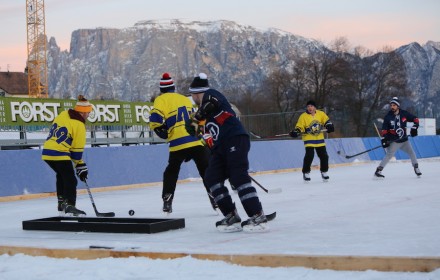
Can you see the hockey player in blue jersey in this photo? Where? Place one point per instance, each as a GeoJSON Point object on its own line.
{"type": "Point", "coordinates": [229, 158]}
{"type": "Point", "coordinates": [394, 136]}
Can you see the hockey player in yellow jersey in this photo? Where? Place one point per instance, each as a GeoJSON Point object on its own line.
{"type": "Point", "coordinates": [170, 112]}
{"type": "Point", "coordinates": [63, 152]}
{"type": "Point", "coordinates": [311, 125]}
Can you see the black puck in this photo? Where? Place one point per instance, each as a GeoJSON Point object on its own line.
{"type": "Point", "coordinates": [131, 212]}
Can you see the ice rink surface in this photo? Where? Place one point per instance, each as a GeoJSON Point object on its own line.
{"type": "Point", "coordinates": [350, 215]}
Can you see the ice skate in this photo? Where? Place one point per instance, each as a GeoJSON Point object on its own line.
{"type": "Point", "coordinates": [230, 223]}
{"type": "Point", "coordinates": [61, 212]}
{"type": "Point", "coordinates": [71, 211]}
{"type": "Point", "coordinates": [417, 170]}
{"type": "Point", "coordinates": [378, 173]}
{"type": "Point", "coordinates": [325, 176]}
{"type": "Point", "coordinates": [256, 223]}
{"type": "Point", "coordinates": [167, 203]}
{"type": "Point", "coordinates": [306, 177]}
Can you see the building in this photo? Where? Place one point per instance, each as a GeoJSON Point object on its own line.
{"type": "Point", "coordinates": [14, 84]}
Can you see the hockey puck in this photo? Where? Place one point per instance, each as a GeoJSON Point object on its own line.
{"type": "Point", "coordinates": [131, 212]}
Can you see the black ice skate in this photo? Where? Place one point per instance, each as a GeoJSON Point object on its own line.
{"type": "Point", "coordinates": [167, 203]}
{"type": "Point", "coordinates": [60, 207]}
{"type": "Point", "coordinates": [378, 173]}
{"type": "Point", "coordinates": [71, 210]}
{"type": "Point", "coordinates": [230, 223]}
{"type": "Point", "coordinates": [417, 170]}
{"type": "Point", "coordinates": [306, 177]}
{"type": "Point", "coordinates": [325, 176]}
{"type": "Point", "coordinates": [256, 223]}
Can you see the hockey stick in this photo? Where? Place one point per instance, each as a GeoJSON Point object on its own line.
{"type": "Point", "coordinates": [277, 190]}
{"type": "Point", "coordinates": [98, 214]}
{"type": "Point", "coordinates": [369, 150]}
{"type": "Point", "coordinates": [361, 153]}
{"type": "Point", "coordinates": [302, 133]}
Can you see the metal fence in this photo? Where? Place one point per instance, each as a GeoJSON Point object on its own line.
{"type": "Point", "coordinates": [25, 137]}
{"type": "Point", "coordinates": [259, 126]}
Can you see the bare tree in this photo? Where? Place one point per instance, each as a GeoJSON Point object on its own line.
{"type": "Point", "coordinates": [375, 79]}
{"type": "Point", "coordinates": [325, 75]}
{"type": "Point", "coordinates": [278, 88]}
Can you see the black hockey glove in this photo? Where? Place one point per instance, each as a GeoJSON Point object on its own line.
{"type": "Point", "coordinates": [162, 131]}
{"type": "Point", "coordinates": [385, 143]}
{"type": "Point", "coordinates": [414, 131]}
{"type": "Point", "coordinates": [329, 126]}
{"type": "Point", "coordinates": [207, 108]}
{"type": "Point", "coordinates": [191, 126]}
{"type": "Point", "coordinates": [295, 133]}
{"type": "Point", "coordinates": [82, 171]}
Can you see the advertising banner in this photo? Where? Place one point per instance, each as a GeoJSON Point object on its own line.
{"type": "Point", "coordinates": [28, 111]}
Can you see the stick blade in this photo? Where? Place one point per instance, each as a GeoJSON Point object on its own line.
{"type": "Point", "coordinates": [276, 190]}
{"type": "Point", "coordinates": [108, 214]}
{"type": "Point", "coordinates": [271, 216]}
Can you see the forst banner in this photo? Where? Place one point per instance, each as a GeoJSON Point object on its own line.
{"type": "Point", "coordinates": [28, 111]}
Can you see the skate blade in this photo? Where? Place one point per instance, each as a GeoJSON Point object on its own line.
{"type": "Point", "coordinates": [232, 228]}
{"type": "Point", "coordinates": [73, 215]}
{"type": "Point", "coordinates": [263, 227]}
{"type": "Point", "coordinates": [325, 180]}
{"type": "Point", "coordinates": [378, 178]}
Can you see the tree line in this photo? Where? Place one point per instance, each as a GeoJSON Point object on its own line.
{"type": "Point", "coordinates": [353, 86]}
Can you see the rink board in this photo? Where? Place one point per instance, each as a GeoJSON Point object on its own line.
{"type": "Point", "coordinates": [109, 225]}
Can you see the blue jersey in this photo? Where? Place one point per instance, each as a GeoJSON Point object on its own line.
{"type": "Point", "coordinates": [394, 126]}
{"type": "Point", "coordinates": [221, 120]}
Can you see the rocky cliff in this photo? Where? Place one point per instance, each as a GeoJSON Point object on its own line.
{"type": "Point", "coordinates": [126, 64]}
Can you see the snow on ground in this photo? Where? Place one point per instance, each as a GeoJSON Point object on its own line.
{"type": "Point", "coordinates": [352, 214]}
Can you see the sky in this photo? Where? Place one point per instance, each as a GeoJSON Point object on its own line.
{"type": "Point", "coordinates": [350, 215]}
{"type": "Point", "coordinates": [372, 24]}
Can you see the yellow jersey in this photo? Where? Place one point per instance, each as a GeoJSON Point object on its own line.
{"type": "Point", "coordinates": [311, 126]}
{"type": "Point", "coordinates": [172, 110]}
{"type": "Point", "coordinates": [67, 138]}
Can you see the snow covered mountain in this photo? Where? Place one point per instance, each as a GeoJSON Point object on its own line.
{"type": "Point", "coordinates": [423, 75]}
{"type": "Point", "coordinates": [126, 64]}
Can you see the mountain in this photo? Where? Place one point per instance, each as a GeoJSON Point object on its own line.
{"type": "Point", "coordinates": [126, 64]}
{"type": "Point", "coordinates": [423, 75]}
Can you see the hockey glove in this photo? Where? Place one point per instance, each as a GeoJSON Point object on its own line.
{"type": "Point", "coordinates": [162, 131]}
{"type": "Point", "coordinates": [385, 143]}
{"type": "Point", "coordinates": [295, 133]}
{"type": "Point", "coordinates": [82, 171]}
{"type": "Point", "coordinates": [329, 126]}
{"type": "Point", "coordinates": [414, 131]}
{"type": "Point", "coordinates": [207, 140]}
{"type": "Point", "coordinates": [191, 126]}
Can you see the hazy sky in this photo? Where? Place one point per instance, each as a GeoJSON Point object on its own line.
{"type": "Point", "coordinates": [372, 24]}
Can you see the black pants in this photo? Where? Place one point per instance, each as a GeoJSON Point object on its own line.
{"type": "Point", "coordinates": [230, 161]}
{"type": "Point", "coordinates": [308, 158]}
{"type": "Point", "coordinates": [66, 181]}
{"type": "Point", "coordinates": [199, 154]}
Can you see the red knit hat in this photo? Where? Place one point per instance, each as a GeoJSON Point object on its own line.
{"type": "Point", "coordinates": [166, 83]}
